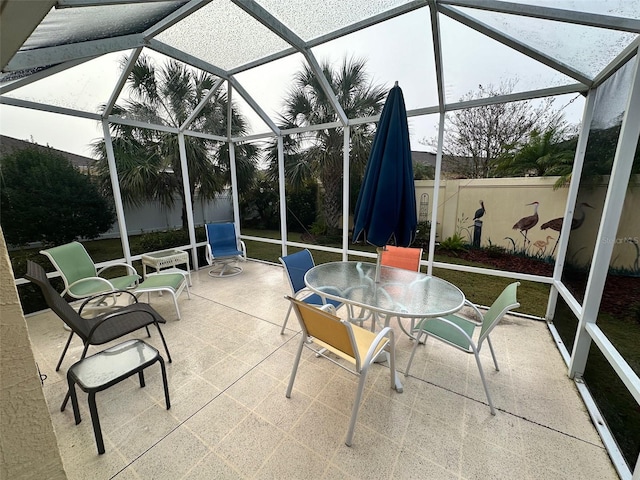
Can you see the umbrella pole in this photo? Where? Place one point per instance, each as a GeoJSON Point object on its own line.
{"type": "Point", "coordinates": [379, 250]}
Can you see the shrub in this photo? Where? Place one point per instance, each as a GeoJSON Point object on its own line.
{"type": "Point", "coordinates": [454, 244]}
{"type": "Point", "coordinates": [43, 198]}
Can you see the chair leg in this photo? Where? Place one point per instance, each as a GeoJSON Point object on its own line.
{"type": "Point", "coordinates": [296, 362]}
{"type": "Point", "coordinates": [166, 349]}
{"type": "Point", "coordinates": [164, 383]}
{"type": "Point", "coordinates": [286, 319]}
{"type": "Point", "coordinates": [175, 303]}
{"type": "Point", "coordinates": [413, 352]}
{"type": "Point", "coordinates": [68, 395]}
{"type": "Point", "coordinates": [356, 406]}
{"type": "Point", "coordinates": [484, 381]}
{"type": "Point", "coordinates": [396, 384]}
{"type": "Point", "coordinates": [493, 354]}
{"type": "Point", "coordinates": [64, 351]}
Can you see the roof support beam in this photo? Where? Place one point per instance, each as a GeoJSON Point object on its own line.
{"type": "Point", "coordinates": [513, 43]}
{"type": "Point", "coordinates": [202, 104]}
{"type": "Point", "coordinates": [138, 124]}
{"type": "Point", "coordinates": [186, 58]}
{"type": "Point", "coordinates": [517, 97]}
{"type": "Point", "coordinates": [548, 13]}
{"type": "Point", "coordinates": [272, 23]}
{"type": "Point", "coordinates": [174, 18]}
{"type": "Point", "coordinates": [253, 104]}
{"type": "Point", "coordinates": [368, 22]}
{"type": "Point", "coordinates": [39, 75]}
{"type": "Point", "coordinates": [437, 53]}
{"type": "Point", "coordinates": [43, 107]}
{"type": "Point", "coordinates": [99, 3]}
{"type": "Point", "coordinates": [133, 58]}
{"type": "Point", "coordinates": [208, 136]}
{"type": "Point", "coordinates": [46, 56]}
{"type": "Point", "coordinates": [326, 86]}
{"type": "Point", "coordinates": [354, 27]}
{"type": "Point", "coordinates": [618, 62]}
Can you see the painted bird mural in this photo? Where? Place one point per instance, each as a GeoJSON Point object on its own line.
{"type": "Point", "coordinates": [527, 223]}
{"type": "Point", "coordinates": [480, 212]}
{"type": "Point", "coordinates": [576, 221]}
{"type": "Point", "coordinates": [541, 245]}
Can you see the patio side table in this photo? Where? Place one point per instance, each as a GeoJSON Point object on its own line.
{"type": "Point", "coordinates": [166, 259]}
{"type": "Point", "coordinates": [108, 367]}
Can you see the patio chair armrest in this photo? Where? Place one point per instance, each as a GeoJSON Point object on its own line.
{"type": "Point", "coordinates": [105, 294]}
{"type": "Point", "coordinates": [477, 311]}
{"type": "Point", "coordinates": [448, 322]}
{"type": "Point", "coordinates": [328, 307]}
{"type": "Point", "coordinates": [113, 315]}
{"type": "Point", "coordinates": [130, 269]}
{"type": "Point", "coordinates": [243, 247]}
{"type": "Point", "coordinates": [108, 285]}
{"type": "Point", "coordinates": [385, 335]}
{"type": "Point", "coordinates": [208, 254]}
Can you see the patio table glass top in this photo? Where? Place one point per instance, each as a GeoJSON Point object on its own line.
{"type": "Point", "coordinates": [399, 292]}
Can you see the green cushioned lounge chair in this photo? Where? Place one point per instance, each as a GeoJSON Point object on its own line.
{"type": "Point", "coordinates": [79, 273]}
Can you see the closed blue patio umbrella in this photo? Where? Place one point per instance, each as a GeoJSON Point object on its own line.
{"type": "Point", "coordinates": [386, 206]}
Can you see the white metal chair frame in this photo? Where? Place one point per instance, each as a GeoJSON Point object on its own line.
{"type": "Point", "coordinates": [382, 343]}
{"type": "Point", "coordinates": [456, 325]}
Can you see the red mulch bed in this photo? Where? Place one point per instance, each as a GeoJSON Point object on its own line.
{"type": "Point", "coordinates": [620, 294]}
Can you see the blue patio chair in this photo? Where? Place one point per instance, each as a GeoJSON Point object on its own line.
{"type": "Point", "coordinates": [296, 265]}
{"type": "Point", "coordinates": [224, 249]}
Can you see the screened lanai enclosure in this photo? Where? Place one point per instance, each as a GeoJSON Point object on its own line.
{"type": "Point", "coordinates": [574, 63]}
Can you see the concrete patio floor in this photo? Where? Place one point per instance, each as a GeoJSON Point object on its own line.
{"type": "Point", "coordinates": [229, 416]}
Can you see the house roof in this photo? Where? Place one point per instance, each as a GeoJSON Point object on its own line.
{"type": "Point", "coordinates": [8, 145]}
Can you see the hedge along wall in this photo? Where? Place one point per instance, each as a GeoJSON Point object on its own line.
{"type": "Point", "coordinates": [506, 200]}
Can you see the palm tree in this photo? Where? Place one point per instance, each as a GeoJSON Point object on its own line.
{"type": "Point", "coordinates": [545, 153]}
{"type": "Point", "coordinates": [148, 161]}
{"type": "Point", "coordinates": [318, 155]}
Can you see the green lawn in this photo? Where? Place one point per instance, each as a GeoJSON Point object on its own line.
{"type": "Point", "coordinates": [481, 289]}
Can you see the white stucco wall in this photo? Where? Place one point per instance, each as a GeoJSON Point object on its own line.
{"type": "Point", "coordinates": [28, 446]}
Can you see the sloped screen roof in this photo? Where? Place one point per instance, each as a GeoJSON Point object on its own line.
{"type": "Point", "coordinates": [73, 25]}
{"type": "Point", "coordinates": [563, 46]}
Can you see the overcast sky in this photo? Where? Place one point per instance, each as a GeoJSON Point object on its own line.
{"type": "Point", "coordinates": [396, 50]}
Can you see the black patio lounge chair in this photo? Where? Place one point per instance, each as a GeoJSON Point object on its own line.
{"type": "Point", "coordinates": [102, 328]}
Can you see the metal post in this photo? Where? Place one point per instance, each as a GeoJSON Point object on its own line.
{"type": "Point", "coordinates": [115, 186]}
{"type": "Point", "coordinates": [345, 193]}
{"type": "Point", "coordinates": [436, 188]}
{"type": "Point", "coordinates": [232, 162]}
{"type": "Point", "coordinates": [283, 195]}
{"type": "Point", "coordinates": [605, 241]}
{"type": "Point", "coordinates": [574, 186]}
{"type": "Point", "coordinates": [186, 185]}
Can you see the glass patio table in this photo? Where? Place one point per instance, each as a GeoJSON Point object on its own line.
{"type": "Point", "coordinates": [399, 293]}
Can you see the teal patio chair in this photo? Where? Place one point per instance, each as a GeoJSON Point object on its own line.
{"type": "Point", "coordinates": [79, 273]}
{"type": "Point", "coordinates": [458, 332]}
{"type": "Point", "coordinates": [224, 249]}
